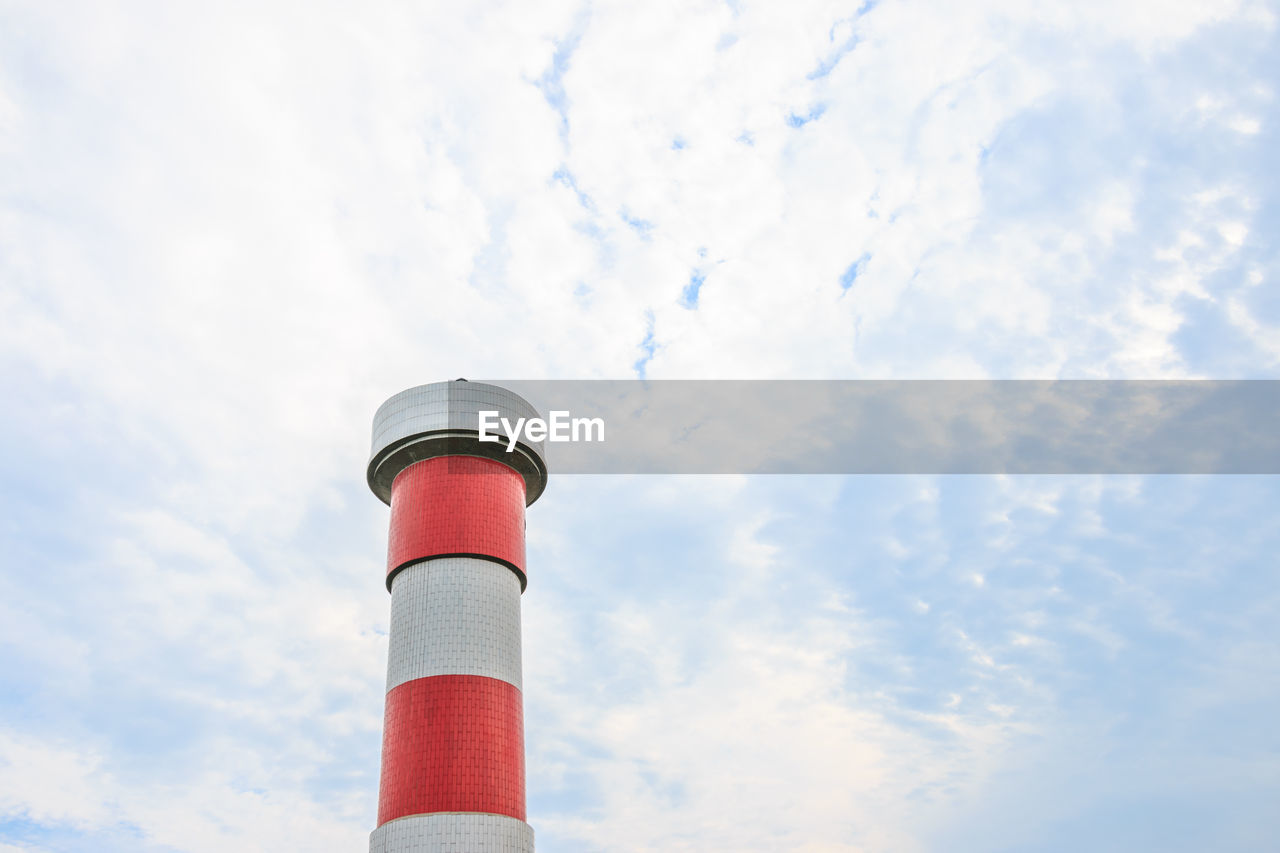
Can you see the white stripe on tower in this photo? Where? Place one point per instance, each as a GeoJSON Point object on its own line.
{"type": "Point", "coordinates": [460, 832]}
{"type": "Point", "coordinates": [455, 616]}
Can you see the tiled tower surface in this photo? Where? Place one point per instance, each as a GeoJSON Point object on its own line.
{"type": "Point", "coordinates": [453, 738]}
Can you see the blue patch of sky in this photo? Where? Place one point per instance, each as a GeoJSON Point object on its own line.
{"type": "Point", "coordinates": [19, 829]}
{"type": "Point", "coordinates": [643, 227]}
{"type": "Point", "coordinates": [746, 138]}
{"type": "Point", "coordinates": [602, 528]}
{"type": "Point", "coordinates": [1046, 162]}
{"type": "Point", "coordinates": [815, 113]}
{"type": "Point", "coordinates": [73, 839]}
{"type": "Point", "coordinates": [551, 84]}
{"type": "Point", "coordinates": [1208, 337]}
{"type": "Point", "coordinates": [564, 177]}
{"type": "Point", "coordinates": [671, 791]}
{"type": "Point", "coordinates": [844, 48]}
{"type": "Point", "coordinates": [828, 64]}
{"type": "Point", "coordinates": [590, 229]}
{"type": "Point", "coordinates": [679, 143]}
{"type": "Point", "coordinates": [689, 297]}
{"type": "Point", "coordinates": [850, 275]}
{"type": "Point", "coordinates": [872, 213]}
{"type": "Point", "coordinates": [1047, 556]}
{"type": "Point", "coordinates": [574, 791]}
{"type": "Point", "coordinates": [648, 346]}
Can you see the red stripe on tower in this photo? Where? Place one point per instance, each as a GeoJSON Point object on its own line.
{"type": "Point", "coordinates": [452, 743]}
{"type": "Point", "coordinates": [461, 505]}
{"type": "Point", "coordinates": [453, 738]}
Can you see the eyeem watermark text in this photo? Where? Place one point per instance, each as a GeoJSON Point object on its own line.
{"type": "Point", "coordinates": [559, 427]}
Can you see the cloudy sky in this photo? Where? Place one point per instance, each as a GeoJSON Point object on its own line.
{"type": "Point", "coordinates": [229, 230]}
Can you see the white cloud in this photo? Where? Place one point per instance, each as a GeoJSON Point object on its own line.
{"type": "Point", "coordinates": [46, 783]}
{"type": "Point", "coordinates": [713, 755]}
{"type": "Point", "coordinates": [50, 783]}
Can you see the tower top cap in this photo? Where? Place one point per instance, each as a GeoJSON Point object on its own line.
{"type": "Point", "coordinates": [443, 419]}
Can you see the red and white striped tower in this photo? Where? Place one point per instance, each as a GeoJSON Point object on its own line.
{"type": "Point", "coordinates": [453, 741]}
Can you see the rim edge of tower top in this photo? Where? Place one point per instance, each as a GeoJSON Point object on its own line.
{"type": "Point", "coordinates": [442, 419]}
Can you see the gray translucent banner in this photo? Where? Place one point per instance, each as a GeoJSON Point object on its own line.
{"type": "Point", "coordinates": [913, 427]}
